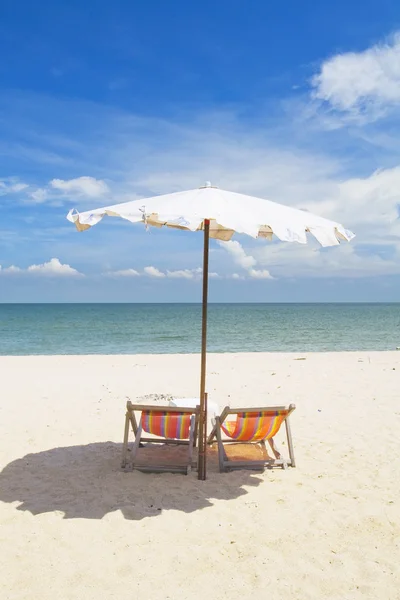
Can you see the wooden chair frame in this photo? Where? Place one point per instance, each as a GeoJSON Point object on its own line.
{"type": "Point", "coordinates": [226, 464]}
{"type": "Point", "coordinates": [130, 463]}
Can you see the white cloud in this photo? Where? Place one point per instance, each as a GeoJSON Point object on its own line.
{"type": "Point", "coordinates": [123, 273]}
{"type": "Point", "coordinates": [82, 186]}
{"type": "Point", "coordinates": [153, 272]}
{"type": "Point", "coordinates": [361, 81]}
{"type": "Point", "coordinates": [54, 267]}
{"type": "Point", "coordinates": [259, 274]}
{"type": "Point", "coordinates": [239, 255]}
{"type": "Point", "coordinates": [370, 205]}
{"type": "Point", "coordinates": [244, 260]}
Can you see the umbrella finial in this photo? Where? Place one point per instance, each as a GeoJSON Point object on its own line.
{"type": "Point", "coordinates": [207, 185]}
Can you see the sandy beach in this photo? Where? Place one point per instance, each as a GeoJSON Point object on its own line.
{"type": "Point", "coordinates": [74, 526]}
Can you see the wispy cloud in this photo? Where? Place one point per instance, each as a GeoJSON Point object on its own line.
{"type": "Point", "coordinates": [81, 186]}
{"type": "Point", "coordinates": [56, 190]}
{"type": "Point", "coordinates": [12, 270]}
{"type": "Point", "coordinates": [151, 271]}
{"type": "Point", "coordinates": [343, 262]}
{"type": "Point", "coordinates": [178, 274]}
{"type": "Point", "coordinates": [38, 196]}
{"type": "Point", "coordinates": [181, 274]}
{"type": "Point", "coordinates": [124, 156]}
{"type": "Point", "coordinates": [123, 273]}
{"type": "Point", "coordinates": [11, 186]}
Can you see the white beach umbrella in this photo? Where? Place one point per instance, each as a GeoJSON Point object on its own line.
{"type": "Point", "coordinates": [219, 214]}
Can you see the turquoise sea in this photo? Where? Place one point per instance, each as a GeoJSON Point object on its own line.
{"type": "Point", "coordinates": [27, 329]}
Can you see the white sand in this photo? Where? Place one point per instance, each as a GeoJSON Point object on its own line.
{"type": "Point", "coordinates": [73, 526]}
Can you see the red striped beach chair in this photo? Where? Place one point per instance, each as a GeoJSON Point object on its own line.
{"type": "Point", "coordinates": [166, 425]}
{"type": "Point", "coordinates": [253, 425]}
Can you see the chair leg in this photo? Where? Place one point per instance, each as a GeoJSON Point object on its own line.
{"type": "Point", "coordinates": [126, 437]}
{"type": "Point", "coordinates": [290, 442]}
{"type": "Point", "coordinates": [277, 453]}
{"type": "Point", "coordinates": [212, 435]}
{"type": "Point", "coordinates": [136, 445]}
{"type": "Point", "coordinates": [222, 456]}
{"type": "Point", "coordinates": [133, 421]}
{"type": "Point", "coordinates": [191, 443]}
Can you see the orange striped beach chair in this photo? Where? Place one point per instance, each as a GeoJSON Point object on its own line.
{"type": "Point", "coordinates": [253, 425]}
{"type": "Point", "coordinates": [166, 425]}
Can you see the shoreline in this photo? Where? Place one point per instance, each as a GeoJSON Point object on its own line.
{"type": "Point", "coordinates": [174, 354]}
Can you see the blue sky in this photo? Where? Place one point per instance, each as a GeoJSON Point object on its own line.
{"type": "Point", "coordinates": [101, 102]}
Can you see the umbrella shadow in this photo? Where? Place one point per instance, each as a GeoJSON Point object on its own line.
{"type": "Point", "coordinates": [86, 482]}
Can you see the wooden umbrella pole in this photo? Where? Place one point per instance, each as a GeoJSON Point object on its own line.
{"type": "Point", "coordinates": [203, 399]}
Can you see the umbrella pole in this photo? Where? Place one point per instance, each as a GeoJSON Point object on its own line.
{"type": "Point", "coordinates": [203, 395]}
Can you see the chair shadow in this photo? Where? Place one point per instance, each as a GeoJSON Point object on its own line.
{"type": "Point", "coordinates": [86, 482]}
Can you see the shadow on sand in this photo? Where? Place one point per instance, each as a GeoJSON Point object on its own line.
{"type": "Point", "coordinates": [86, 482]}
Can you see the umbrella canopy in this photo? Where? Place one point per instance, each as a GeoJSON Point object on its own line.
{"type": "Point", "coordinates": [219, 214]}
{"type": "Point", "coordinates": [228, 212]}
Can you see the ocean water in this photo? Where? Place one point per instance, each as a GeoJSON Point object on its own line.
{"type": "Point", "coordinates": [27, 329]}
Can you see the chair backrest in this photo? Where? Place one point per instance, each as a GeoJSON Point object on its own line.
{"type": "Point", "coordinates": [166, 424]}
{"type": "Point", "coordinates": [251, 425]}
